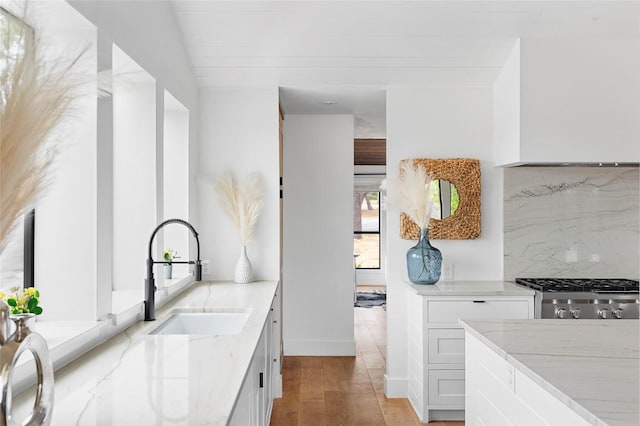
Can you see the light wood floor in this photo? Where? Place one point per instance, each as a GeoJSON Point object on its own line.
{"type": "Point", "coordinates": [344, 390]}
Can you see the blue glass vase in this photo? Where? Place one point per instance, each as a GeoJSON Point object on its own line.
{"type": "Point", "coordinates": [424, 262]}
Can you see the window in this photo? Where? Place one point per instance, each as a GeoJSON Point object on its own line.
{"type": "Point", "coordinates": [11, 261]}
{"type": "Point", "coordinates": [16, 261]}
{"type": "Point", "coordinates": [16, 41]}
{"type": "Point", "coordinates": [366, 230]}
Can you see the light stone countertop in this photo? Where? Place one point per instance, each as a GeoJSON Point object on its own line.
{"type": "Point", "coordinates": [141, 379]}
{"type": "Point", "coordinates": [471, 288]}
{"type": "Point", "coordinates": [592, 366]}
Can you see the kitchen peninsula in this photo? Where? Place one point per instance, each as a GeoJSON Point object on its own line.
{"type": "Point", "coordinates": [138, 378]}
{"type": "Point", "coordinates": [552, 372]}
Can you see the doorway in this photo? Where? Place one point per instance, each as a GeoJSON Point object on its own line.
{"type": "Point", "coordinates": [369, 222]}
{"type": "Point", "coordinates": [369, 253]}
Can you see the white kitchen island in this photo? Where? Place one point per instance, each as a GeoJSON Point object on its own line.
{"type": "Point", "coordinates": [138, 379]}
{"type": "Point", "coordinates": [558, 372]}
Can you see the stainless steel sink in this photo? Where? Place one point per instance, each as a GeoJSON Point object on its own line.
{"type": "Point", "coordinates": [212, 323]}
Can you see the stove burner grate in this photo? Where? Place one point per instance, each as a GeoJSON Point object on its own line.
{"type": "Point", "coordinates": [593, 285]}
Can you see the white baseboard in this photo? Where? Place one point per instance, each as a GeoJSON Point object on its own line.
{"type": "Point", "coordinates": [277, 386]}
{"type": "Point", "coordinates": [320, 347]}
{"type": "Point", "coordinates": [395, 387]}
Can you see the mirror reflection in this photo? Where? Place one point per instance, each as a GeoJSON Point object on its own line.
{"type": "Point", "coordinates": [445, 198]}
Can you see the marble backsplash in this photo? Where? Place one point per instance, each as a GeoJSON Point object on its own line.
{"type": "Point", "coordinates": [572, 222]}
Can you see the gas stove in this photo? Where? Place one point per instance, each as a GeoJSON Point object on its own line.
{"type": "Point", "coordinates": [576, 298]}
{"type": "Point", "coordinates": [594, 285]}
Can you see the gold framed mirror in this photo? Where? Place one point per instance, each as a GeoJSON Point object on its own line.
{"type": "Point", "coordinates": [456, 183]}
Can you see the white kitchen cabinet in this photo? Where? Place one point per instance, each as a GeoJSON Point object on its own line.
{"type": "Point", "coordinates": [436, 375]}
{"type": "Point", "coordinates": [573, 100]}
{"type": "Point", "coordinates": [449, 311]}
{"type": "Point", "coordinates": [499, 394]}
{"type": "Point", "coordinates": [262, 383]}
{"type": "Point", "coordinates": [250, 404]}
{"type": "Point", "coordinates": [273, 328]}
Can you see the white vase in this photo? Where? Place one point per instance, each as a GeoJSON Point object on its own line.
{"type": "Point", "coordinates": [168, 271]}
{"type": "Point", "coordinates": [244, 272]}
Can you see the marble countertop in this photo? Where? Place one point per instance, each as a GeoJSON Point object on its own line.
{"type": "Point", "coordinates": [472, 288]}
{"type": "Point", "coordinates": [592, 366]}
{"type": "Point", "coordinates": [140, 379]}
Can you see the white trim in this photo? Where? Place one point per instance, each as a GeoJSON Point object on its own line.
{"type": "Point", "coordinates": [366, 277]}
{"type": "Point", "coordinates": [370, 170]}
{"type": "Point", "coordinates": [395, 387]}
{"type": "Point", "coordinates": [368, 182]}
{"type": "Point", "coordinates": [277, 386]}
{"type": "Point", "coordinates": [320, 347]}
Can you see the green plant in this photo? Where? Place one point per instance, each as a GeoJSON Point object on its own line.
{"type": "Point", "coordinates": [23, 301]}
{"type": "Point", "coordinates": [169, 254]}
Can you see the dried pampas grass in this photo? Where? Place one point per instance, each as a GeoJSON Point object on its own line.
{"type": "Point", "coordinates": [410, 193]}
{"type": "Point", "coordinates": [242, 202]}
{"type": "Point", "coordinates": [34, 96]}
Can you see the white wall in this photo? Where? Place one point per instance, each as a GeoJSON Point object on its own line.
{"type": "Point", "coordinates": [439, 123]}
{"type": "Point", "coordinates": [71, 235]}
{"type": "Point", "coordinates": [134, 170]}
{"type": "Point", "coordinates": [65, 240]}
{"type": "Point", "coordinates": [239, 133]}
{"type": "Point", "coordinates": [148, 33]}
{"type": "Point", "coordinates": [175, 167]}
{"type": "Point", "coordinates": [318, 229]}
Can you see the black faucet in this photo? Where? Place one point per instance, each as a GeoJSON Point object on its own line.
{"type": "Point", "coordinates": [150, 282]}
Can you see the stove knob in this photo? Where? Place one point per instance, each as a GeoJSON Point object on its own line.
{"type": "Point", "coordinates": [575, 313]}
{"type": "Point", "coordinates": [561, 313]}
{"type": "Point", "coordinates": [603, 313]}
{"type": "Point", "coordinates": [617, 313]}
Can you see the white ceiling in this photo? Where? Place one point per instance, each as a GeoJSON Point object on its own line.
{"type": "Point", "coordinates": [350, 51]}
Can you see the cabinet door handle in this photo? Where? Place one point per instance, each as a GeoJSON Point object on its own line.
{"type": "Point", "coordinates": [478, 301]}
{"type": "Point", "coordinates": [261, 380]}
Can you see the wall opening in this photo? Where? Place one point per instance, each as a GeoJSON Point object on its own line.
{"type": "Point", "coordinates": [175, 175]}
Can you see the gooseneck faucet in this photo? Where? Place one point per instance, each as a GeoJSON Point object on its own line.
{"type": "Point", "coordinates": [150, 282]}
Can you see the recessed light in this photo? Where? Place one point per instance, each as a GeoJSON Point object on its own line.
{"type": "Point", "coordinates": [328, 102]}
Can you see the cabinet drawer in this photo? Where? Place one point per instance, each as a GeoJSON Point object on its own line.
{"type": "Point", "coordinates": [446, 387]}
{"type": "Point", "coordinates": [449, 311]}
{"type": "Point", "coordinates": [446, 346]}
